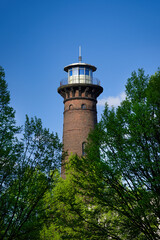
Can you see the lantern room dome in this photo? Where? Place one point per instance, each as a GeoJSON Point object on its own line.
{"type": "Point", "coordinates": [86, 65]}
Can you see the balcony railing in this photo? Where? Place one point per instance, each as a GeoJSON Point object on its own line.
{"type": "Point", "coordinates": [95, 81]}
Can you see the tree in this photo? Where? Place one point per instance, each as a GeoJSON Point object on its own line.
{"type": "Point", "coordinates": [27, 167]}
{"type": "Point", "coordinates": [72, 215]}
{"type": "Point", "coordinates": [8, 130]}
{"type": "Point", "coordinates": [129, 143]}
{"type": "Point", "coordinates": [115, 188]}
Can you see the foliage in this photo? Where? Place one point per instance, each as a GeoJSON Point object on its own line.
{"type": "Point", "coordinates": [114, 191]}
{"type": "Point", "coordinates": [26, 169]}
{"type": "Point", "coordinates": [72, 215]}
{"type": "Point", "coordinates": [129, 143]}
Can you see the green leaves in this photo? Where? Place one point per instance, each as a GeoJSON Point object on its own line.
{"type": "Point", "coordinates": [41, 145]}
{"type": "Point", "coordinates": [27, 167]}
{"type": "Point", "coordinates": [136, 86]}
{"type": "Point", "coordinates": [113, 192]}
{"type": "Point", "coordinates": [130, 149]}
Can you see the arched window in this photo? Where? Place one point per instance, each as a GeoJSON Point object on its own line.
{"type": "Point", "coordinates": [70, 106]}
{"type": "Point", "coordinates": [83, 148]}
{"type": "Point", "coordinates": [83, 106]}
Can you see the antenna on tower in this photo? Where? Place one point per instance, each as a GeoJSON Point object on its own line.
{"type": "Point", "coordinates": [80, 57]}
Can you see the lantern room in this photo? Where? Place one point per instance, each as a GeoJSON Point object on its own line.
{"type": "Point", "coordinates": [80, 73]}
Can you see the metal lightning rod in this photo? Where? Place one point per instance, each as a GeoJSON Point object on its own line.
{"type": "Point", "coordinates": [80, 57]}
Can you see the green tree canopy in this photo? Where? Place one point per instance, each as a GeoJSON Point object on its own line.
{"type": "Point", "coordinates": [114, 191]}
{"type": "Point", "coordinates": [27, 166]}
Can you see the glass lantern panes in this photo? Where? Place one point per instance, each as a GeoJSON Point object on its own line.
{"type": "Point", "coordinates": [75, 71]}
{"type": "Point", "coordinates": [81, 71]}
{"type": "Point", "coordinates": [87, 72]}
{"type": "Point", "coordinates": [70, 72]}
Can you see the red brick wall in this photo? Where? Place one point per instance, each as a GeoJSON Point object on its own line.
{"type": "Point", "coordinates": [77, 121]}
{"type": "Point", "coordinates": [77, 124]}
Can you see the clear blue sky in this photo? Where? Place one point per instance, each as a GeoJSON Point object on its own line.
{"type": "Point", "coordinates": [39, 37]}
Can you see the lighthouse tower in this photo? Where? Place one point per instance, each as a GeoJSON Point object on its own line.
{"type": "Point", "coordinates": [79, 91]}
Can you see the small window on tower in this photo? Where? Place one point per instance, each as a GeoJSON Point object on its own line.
{"type": "Point", "coordinates": [83, 106]}
{"type": "Point", "coordinates": [70, 106]}
{"type": "Point", "coordinates": [83, 148]}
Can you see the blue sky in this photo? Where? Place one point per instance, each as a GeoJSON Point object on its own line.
{"type": "Point", "coordinates": [39, 37]}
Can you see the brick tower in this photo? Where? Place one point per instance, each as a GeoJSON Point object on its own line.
{"type": "Point", "coordinates": [80, 92]}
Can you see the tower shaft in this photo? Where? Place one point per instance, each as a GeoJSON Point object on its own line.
{"type": "Point", "coordinates": [80, 116]}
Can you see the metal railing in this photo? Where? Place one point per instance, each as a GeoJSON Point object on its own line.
{"type": "Point", "coordinates": [95, 81]}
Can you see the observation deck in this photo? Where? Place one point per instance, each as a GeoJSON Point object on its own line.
{"type": "Point", "coordinates": [79, 80]}
{"type": "Point", "coordinates": [80, 73]}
